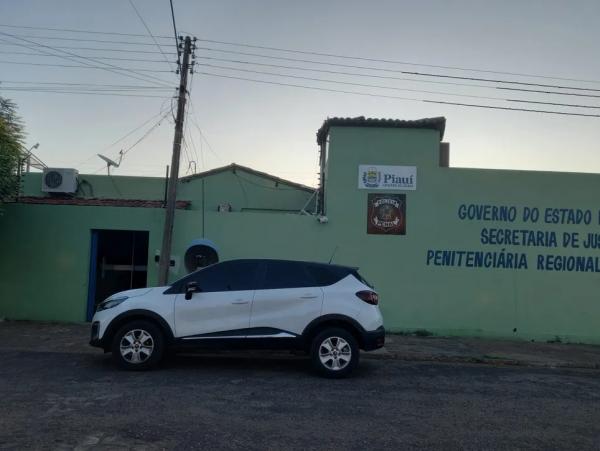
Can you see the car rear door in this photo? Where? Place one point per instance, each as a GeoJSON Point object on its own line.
{"type": "Point", "coordinates": [222, 308]}
{"type": "Point", "coordinates": [286, 299]}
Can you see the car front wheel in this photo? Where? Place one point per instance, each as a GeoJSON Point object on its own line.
{"type": "Point", "coordinates": [138, 345]}
{"type": "Point", "coordinates": [334, 353]}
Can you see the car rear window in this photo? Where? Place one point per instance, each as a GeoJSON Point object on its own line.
{"type": "Point", "coordinates": [361, 279]}
{"type": "Point", "coordinates": [327, 275]}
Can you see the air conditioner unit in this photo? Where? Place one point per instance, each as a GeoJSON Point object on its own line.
{"type": "Point", "coordinates": [59, 180]}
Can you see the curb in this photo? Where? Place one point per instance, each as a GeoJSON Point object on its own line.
{"type": "Point", "coordinates": [475, 360]}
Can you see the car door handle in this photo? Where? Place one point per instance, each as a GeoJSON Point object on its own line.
{"type": "Point", "coordinates": [309, 296]}
{"type": "Point", "coordinates": [240, 302]}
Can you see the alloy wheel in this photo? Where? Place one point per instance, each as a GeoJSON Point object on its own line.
{"type": "Point", "coordinates": [335, 353]}
{"type": "Point", "coordinates": [136, 346]}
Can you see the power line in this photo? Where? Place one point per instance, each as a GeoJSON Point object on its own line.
{"type": "Point", "coordinates": [408, 63]}
{"type": "Point", "coordinates": [70, 30]}
{"type": "Point", "coordinates": [154, 52]}
{"type": "Point", "coordinates": [50, 91]}
{"type": "Point", "coordinates": [421, 74]}
{"type": "Point", "coordinates": [144, 136]}
{"type": "Point", "coordinates": [401, 89]}
{"type": "Point", "coordinates": [564, 113]}
{"type": "Point", "coordinates": [129, 133]}
{"type": "Point", "coordinates": [197, 154]}
{"type": "Point", "coordinates": [390, 77]}
{"type": "Point", "coordinates": [149, 31]}
{"type": "Point", "coordinates": [186, 153]}
{"type": "Point", "coordinates": [186, 126]}
{"type": "Point", "coordinates": [70, 56]}
{"type": "Point", "coordinates": [175, 33]}
{"type": "Point", "coordinates": [129, 69]}
{"type": "Point", "coordinates": [82, 84]}
{"type": "Point", "coordinates": [95, 57]}
{"type": "Point", "coordinates": [102, 41]}
{"type": "Point", "coordinates": [202, 136]}
{"type": "Point", "coordinates": [296, 51]}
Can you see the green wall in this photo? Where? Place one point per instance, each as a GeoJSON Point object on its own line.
{"type": "Point", "coordinates": [45, 249]}
{"type": "Point", "coordinates": [461, 300]}
{"type": "Point", "coordinates": [46, 254]}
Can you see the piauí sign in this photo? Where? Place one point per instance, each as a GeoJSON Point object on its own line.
{"type": "Point", "coordinates": [387, 177]}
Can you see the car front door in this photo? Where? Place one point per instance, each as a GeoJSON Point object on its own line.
{"type": "Point", "coordinates": [287, 300]}
{"type": "Point", "coordinates": [221, 306]}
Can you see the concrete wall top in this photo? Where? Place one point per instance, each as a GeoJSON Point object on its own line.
{"type": "Point", "coordinates": [243, 190]}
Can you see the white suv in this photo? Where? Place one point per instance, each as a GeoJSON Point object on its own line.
{"type": "Point", "coordinates": [329, 311]}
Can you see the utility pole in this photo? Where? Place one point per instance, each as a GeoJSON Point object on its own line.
{"type": "Point", "coordinates": [165, 252]}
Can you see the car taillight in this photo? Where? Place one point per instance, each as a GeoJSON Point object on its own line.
{"type": "Point", "coordinates": [370, 297]}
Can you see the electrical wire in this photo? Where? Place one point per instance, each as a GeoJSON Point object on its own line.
{"type": "Point", "coordinates": [143, 60]}
{"type": "Point", "coordinates": [422, 74]}
{"type": "Point", "coordinates": [51, 91]}
{"type": "Point", "coordinates": [149, 32]}
{"type": "Point", "coordinates": [144, 136]}
{"type": "Point", "coordinates": [202, 136]}
{"type": "Point", "coordinates": [93, 85]}
{"type": "Point", "coordinates": [186, 121]}
{"type": "Point", "coordinates": [305, 52]}
{"type": "Point", "coordinates": [186, 154]}
{"type": "Point", "coordinates": [390, 77]}
{"type": "Point", "coordinates": [70, 56]}
{"type": "Point", "coordinates": [102, 41]}
{"type": "Point", "coordinates": [103, 49]}
{"type": "Point", "coordinates": [198, 155]}
{"type": "Point", "coordinates": [129, 133]}
{"type": "Point", "coordinates": [135, 70]}
{"type": "Point", "coordinates": [71, 30]}
{"type": "Point", "coordinates": [184, 145]}
{"type": "Point", "coordinates": [407, 63]}
{"type": "Point", "coordinates": [401, 89]}
{"type": "Point", "coordinates": [564, 113]}
{"type": "Point", "coordinates": [175, 33]}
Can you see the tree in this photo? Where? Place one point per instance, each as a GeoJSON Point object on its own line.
{"type": "Point", "coordinates": [12, 135]}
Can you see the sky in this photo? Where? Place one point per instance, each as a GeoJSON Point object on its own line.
{"type": "Point", "coordinates": [271, 127]}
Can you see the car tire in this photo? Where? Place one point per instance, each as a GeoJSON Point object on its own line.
{"type": "Point", "coordinates": [138, 345]}
{"type": "Point", "coordinates": [334, 353]}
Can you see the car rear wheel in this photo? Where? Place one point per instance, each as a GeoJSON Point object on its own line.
{"type": "Point", "coordinates": [334, 353]}
{"type": "Point", "coordinates": [138, 345]}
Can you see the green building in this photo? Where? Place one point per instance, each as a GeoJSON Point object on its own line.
{"type": "Point", "coordinates": [452, 251]}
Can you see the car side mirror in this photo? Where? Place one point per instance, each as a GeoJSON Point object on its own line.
{"type": "Point", "coordinates": [190, 289]}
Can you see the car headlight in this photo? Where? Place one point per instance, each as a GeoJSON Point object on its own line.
{"type": "Point", "coordinates": [111, 302]}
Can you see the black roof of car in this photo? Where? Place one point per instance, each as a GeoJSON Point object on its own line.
{"type": "Point", "coordinates": [333, 265]}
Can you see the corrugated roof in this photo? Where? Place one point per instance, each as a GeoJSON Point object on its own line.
{"type": "Point", "coordinates": [96, 202]}
{"type": "Point", "coordinates": [233, 167]}
{"type": "Point", "coordinates": [432, 123]}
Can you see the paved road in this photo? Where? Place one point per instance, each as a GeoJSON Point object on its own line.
{"type": "Point", "coordinates": [66, 400]}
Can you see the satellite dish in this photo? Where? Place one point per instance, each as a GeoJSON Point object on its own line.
{"type": "Point", "coordinates": [199, 254]}
{"type": "Point", "coordinates": [110, 162]}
